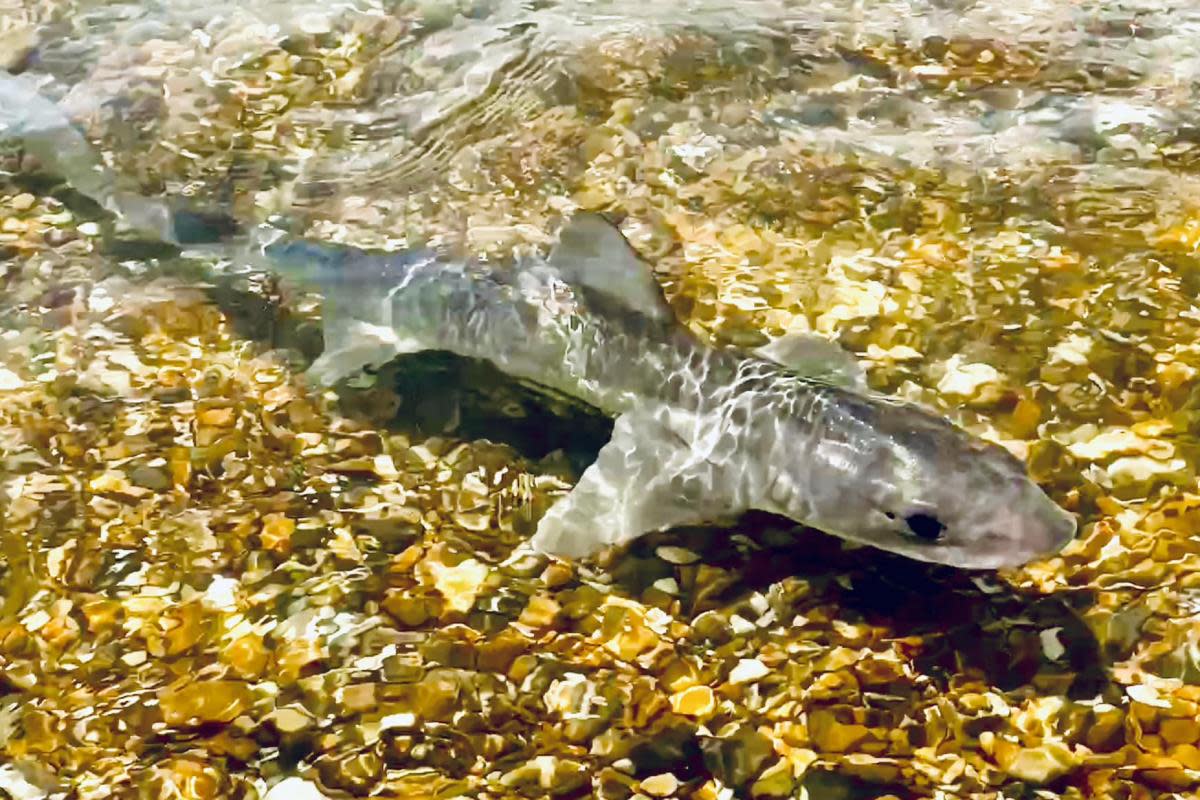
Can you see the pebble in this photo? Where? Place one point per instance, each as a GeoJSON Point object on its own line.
{"type": "Point", "coordinates": [966, 379]}
{"type": "Point", "coordinates": [459, 584]}
{"type": "Point", "coordinates": [662, 785]}
{"type": "Point", "coordinates": [294, 789]}
{"type": "Point", "coordinates": [696, 701]}
{"type": "Point", "coordinates": [667, 586]}
{"type": "Point", "coordinates": [832, 735]}
{"type": "Point", "coordinates": [1179, 731]}
{"type": "Point", "coordinates": [291, 719]}
{"type": "Point", "coordinates": [17, 786]}
{"type": "Point", "coordinates": [149, 477]}
{"type": "Point", "coordinates": [1038, 765]}
{"type": "Point", "coordinates": [205, 701]}
{"type": "Point", "coordinates": [676, 555]}
{"type": "Point", "coordinates": [776, 781]}
{"type": "Point", "coordinates": [737, 756]}
{"type": "Point", "coordinates": [1146, 695]}
{"type": "Point", "coordinates": [747, 670]}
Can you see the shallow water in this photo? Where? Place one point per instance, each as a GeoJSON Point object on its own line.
{"type": "Point", "coordinates": [216, 578]}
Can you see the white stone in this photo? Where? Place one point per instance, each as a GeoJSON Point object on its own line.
{"type": "Point", "coordinates": [747, 670]}
{"type": "Point", "coordinates": [966, 379]}
{"type": "Point", "coordinates": [295, 789]}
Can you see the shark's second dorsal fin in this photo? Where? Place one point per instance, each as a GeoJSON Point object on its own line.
{"type": "Point", "coordinates": [592, 252]}
{"type": "Point", "coordinates": [814, 356]}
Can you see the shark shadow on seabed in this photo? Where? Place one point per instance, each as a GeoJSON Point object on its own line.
{"type": "Point", "coordinates": [433, 393]}
{"type": "Point", "coordinates": [968, 621]}
{"type": "Point", "coordinates": [956, 625]}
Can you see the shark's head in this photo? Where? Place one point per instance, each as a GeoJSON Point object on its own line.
{"type": "Point", "coordinates": [901, 478]}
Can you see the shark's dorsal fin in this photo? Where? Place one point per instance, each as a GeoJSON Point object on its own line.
{"type": "Point", "coordinates": [814, 356]}
{"type": "Point", "coordinates": [591, 252]}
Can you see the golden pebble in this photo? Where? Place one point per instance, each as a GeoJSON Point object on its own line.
{"type": "Point", "coordinates": [695, 701]}
{"type": "Point", "coordinates": [662, 785]}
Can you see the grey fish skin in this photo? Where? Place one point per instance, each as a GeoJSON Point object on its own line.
{"type": "Point", "coordinates": [702, 433]}
{"type": "Point", "coordinates": [529, 323]}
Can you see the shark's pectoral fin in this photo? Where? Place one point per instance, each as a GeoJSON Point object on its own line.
{"type": "Point", "coordinates": [648, 477]}
{"type": "Point", "coordinates": [351, 345]}
{"type": "Point", "coordinates": [814, 356]}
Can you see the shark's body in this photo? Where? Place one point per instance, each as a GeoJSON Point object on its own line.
{"type": "Point", "coordinates": [702, 433]}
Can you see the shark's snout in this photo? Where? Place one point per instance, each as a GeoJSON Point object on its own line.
{"type": "Point", "coordinates": [1058, 529]}
{"type": "Point", "coordinates": [1015, 535]}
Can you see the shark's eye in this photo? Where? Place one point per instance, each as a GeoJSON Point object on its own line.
{"type": "Point", "coordinates": [925, 526]}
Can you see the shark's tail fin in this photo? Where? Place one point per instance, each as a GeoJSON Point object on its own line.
{"type": "Point", "coordinates": [38, 126]}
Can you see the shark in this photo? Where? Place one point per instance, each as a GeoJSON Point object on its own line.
{"type": "Point", "coordinates": [702, 432]}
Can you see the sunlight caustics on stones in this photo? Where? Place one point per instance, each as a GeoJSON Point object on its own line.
{"type": "Point", "coordinates": [219, 579]}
